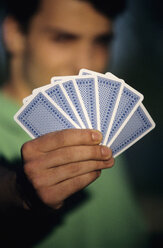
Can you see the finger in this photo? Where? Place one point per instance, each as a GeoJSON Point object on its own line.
{"type": "Point", "coordinates": [64, 138]}
{"type": "Point", "coordinates": [72, 154]}
{"type": "Point", "coordinates": [54, 195]}
{"type": "Point", "coordinates": [65, 172]}
{"type": "Point", "coordinates": [61, 173]}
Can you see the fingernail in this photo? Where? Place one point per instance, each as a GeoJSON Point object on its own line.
{"type": "Point", "coordinates": [105, 151]}
{"type": "Point", "coordinates": [108, 163]}
{"type": "Point", "coordinates": [96, 136]}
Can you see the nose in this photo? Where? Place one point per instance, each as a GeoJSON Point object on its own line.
{"type": "Point", "coordinates": [84, 58]}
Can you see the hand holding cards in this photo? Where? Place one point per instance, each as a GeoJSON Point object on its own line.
{"type": "Point", "coordinates": [90, 100]}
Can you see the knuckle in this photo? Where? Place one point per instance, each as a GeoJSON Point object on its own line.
{"type": "Point", "coordinates": [62, 137]}
{"type": "Point", "coordinates": [78, 136]}
{"type": "Point", "coordinates": [95, 152]}
{"type": "Point", "coordinates": [91, 152]}
{"type": "Point", "coordinates": [30, 149]}
{"type": "Point", "coordinates": [67, 155]}
{"type": "Point", "coordinates": [87, 137]}
{"type": "Point", "coordinates": [98, 165]}
{"type": "Point", "coordinates": [26, 149]}
{"type": "Point", "coordinates": [29, 168]}
{"type": "Point", "coordinates": [81, 132]}
{"type": "Point", "coordinates": [37, 183]}
{"type": "Point", "coordinates": [85, 134]}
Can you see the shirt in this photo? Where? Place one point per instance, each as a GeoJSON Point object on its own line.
{"type": "Point", "coordinates": [107, 214]}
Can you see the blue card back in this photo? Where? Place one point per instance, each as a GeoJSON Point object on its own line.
{"type": "Point", "coordinates": [129, 101]}
{"type": "Point", "coordinates": [70, 88]}
{"type": "Point", "coordinates": [138, 125]}
{"type": "Point", "coordinates": [40, 116]}
{"type": "Point", "coordinates": [87, 90]}
{"type": "Point", "coordinates": [109, 96]}
{"type": "Point", "coordinates": [56, 94]}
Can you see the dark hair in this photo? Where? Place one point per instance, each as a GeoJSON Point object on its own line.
{"type": "Point", "coordinates": [22, 11]}
{"type": "Point", "coordinates": [110, 8]}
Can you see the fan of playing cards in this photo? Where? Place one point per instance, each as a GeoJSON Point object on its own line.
{"type": "Point", "coordinates": [88, 100]}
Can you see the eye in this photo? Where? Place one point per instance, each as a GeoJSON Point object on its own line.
{"type": "Point", "coordinates": [64, 38]}
{"type": "Point", "coordinates": [104, 40]}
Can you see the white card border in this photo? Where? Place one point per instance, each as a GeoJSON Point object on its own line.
{"type": "Point", "coordinates": [143, 134]}
{"type": "Point", "coordinates": [110, 75]}
{"type": "Point", "coordinates": [68, 99]}
{"type": "Point", "coordinates": [116, 104]}
{"type": "Point", "coordinates": [51, 101]}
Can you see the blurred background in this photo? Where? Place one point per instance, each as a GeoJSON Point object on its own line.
{"type": "Point", "coordinates": [138, 59]}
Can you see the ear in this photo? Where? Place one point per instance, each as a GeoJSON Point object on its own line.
{"type": "Point", "coordinates": [14, 38]}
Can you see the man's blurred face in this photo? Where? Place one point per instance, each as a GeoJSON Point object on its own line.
{"type": "Point", "coordinates": [63, 37]}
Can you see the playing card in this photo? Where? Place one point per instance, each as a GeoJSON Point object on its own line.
{"type": "Point", "coordinates": [26, 99]}
{"type": "Point", "coordinates": [88, 100]}
{"type": "Point", "coordinates": [59, 95]}
{"type": "Point", "coordinates": [62, 78]}
{"type": "Point", "coordinates": [109, 96]}
{"type": "Point", "coordinates": [42, 115]}
{"type": "Point", "coordinates": [73, 92]}
{"type": "Point", "coordinates": [36, 90]}
{"type": "Point", "coordinates": [87, 86]}
{"type": "Point", "coordinates": [42, 88]}
{"type": "Point", "coordinates": [138, 125]}
{"type": "Point", "coordinates": [129, 102]}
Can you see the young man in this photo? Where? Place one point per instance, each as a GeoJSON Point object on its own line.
{"type": "Point", "coordinates": [44, 202]}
